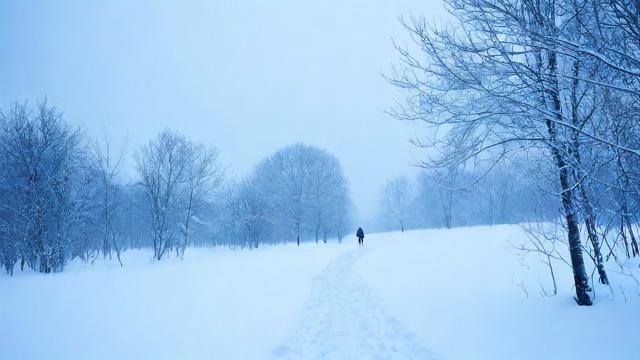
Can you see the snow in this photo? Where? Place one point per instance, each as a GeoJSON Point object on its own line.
{"type": "Point", "coordinates": [216, 303]}
{"type": "Point", "coordinates": [344, 319]}
{"type": "Point", "coordinates": [457, 291]}
{"type": "Point", "coordinates": [428, 294]}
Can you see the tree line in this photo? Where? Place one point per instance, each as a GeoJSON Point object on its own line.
{"type": "Point", "coordinates": [554, 81]}
{"type": "Point", "coordinates": [509, 194]}
{"type": "Point", "coordinates": [64, 196]}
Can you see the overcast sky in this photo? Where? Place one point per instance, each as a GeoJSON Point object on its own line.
{"type": "Point", "coordinates": [248, 76]}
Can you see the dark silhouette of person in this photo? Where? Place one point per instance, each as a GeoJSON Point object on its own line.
{"type": "Point", "coordinates": [360, 235]}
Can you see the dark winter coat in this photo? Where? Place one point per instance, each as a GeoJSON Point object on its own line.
{"type": "Point", "coordinates": [360, 233]}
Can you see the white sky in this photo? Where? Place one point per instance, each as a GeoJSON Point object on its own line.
{"type": "Point", "coordinates": [248, 76]}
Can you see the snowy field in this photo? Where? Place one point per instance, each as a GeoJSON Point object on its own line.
{"type": "Point", "coordinates": [428, 294]}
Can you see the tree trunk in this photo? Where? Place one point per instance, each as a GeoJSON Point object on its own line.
{"type": "Point", "coordinates": [590, 224]}
{"type": "Point", "coordinates": [624, 238]}
{"type": "Point", "coordinates": [625, 219]}
{"type": "Point", "coordinates": [595, 243]}
{"type": "Point", "coordinates": [575, 245]}
{"type": "Point", "coordinates": [589, 215]}
{"type": "Point", "coordinates": [577, 261]}
{"type": "Point", "coordinates": [634, 242]}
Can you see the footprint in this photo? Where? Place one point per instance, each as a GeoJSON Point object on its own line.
{"type": "Point", "coordinates": [344, 319]}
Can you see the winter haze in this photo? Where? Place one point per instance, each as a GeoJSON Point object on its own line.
{"type": "Point", "coordinates": [247, 76]}
{"type": "Point", "coordinates": [323, 180]}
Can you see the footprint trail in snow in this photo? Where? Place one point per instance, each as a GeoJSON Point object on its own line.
{"type": "Point", "coordinates": [344, 319]}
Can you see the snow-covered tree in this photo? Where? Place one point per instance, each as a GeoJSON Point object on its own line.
{"type": "Point", "coordinates": [203, 174]}
{"type": "Point", "coordinates": [176, 175]}
{"type": "Point", "coordinates": [42, 188]}
{"type": "Point", "coordinates": [529, 78]}
{"type": "Point", "coordinates": [395, 201]}
{"type": "Point", "coordinates": [296, 193]}
{"type": "Point", "coordinates": [109, 201]}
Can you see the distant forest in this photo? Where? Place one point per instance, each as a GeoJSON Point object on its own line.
{"type": "Point", "coordinates": [63, 196]}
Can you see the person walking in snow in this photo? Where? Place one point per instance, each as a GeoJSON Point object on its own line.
{"type": "Point", "coordinates": [360, 235]}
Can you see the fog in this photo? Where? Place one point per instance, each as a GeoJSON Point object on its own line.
{"type": "Point", "coordinates": [206, 166]}
{"type": "Point", "coordinates": [246, 76]}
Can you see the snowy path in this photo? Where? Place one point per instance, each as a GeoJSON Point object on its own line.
{"type": "Point", "coordinates": [344, 319]}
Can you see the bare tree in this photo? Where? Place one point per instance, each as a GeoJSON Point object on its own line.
{"type": "Point", "coordinates": [162, 166]}
{"type": "Point", "coordinates": [396, 197]}
{"type": "Point", "coordinates": [203, 174]}
{"type": "Point", "coordinates": [42, 188]}
{"type": "Point", "coordinates": [177, 176]}
{"type": "Point", "coordinates": [499, 84]}
{"type": "Point", "coordinates": [107, 165]}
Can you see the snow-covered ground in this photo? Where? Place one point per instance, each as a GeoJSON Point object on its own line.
{"type": "Point", "coordinates": [428, 294]}
{"type": "Point", "coordinates": [216, 304]}
{"type": "Point", "coordinates": [458, 291]}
